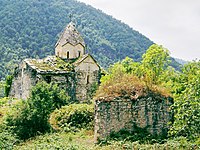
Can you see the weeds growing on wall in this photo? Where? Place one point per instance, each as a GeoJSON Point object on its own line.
{"type": "Point", "coordinates": [135, 134]}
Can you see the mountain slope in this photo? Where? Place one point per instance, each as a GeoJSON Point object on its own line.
{"type": "Point", "coordinates": [181, 61]}
{"type": "Point", "coordinates": [30, 29]}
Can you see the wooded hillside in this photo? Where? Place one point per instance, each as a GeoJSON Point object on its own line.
{"type": "Point", "coordinates": [30, 29]}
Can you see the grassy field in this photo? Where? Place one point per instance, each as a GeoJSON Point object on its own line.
{"type": "Point", "coordinates": [83, 140]}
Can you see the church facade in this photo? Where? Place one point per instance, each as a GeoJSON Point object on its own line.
{"type": "Point", "coordinates": [71, 68]}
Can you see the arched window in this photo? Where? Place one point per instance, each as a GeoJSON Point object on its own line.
{"type": "Point", "coordinates": [67, 54]}
{"type": "Point", "coordinates": [79, 53]}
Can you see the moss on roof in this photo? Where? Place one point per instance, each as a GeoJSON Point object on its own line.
{"type": "Point", "coordinates": [50, 64]}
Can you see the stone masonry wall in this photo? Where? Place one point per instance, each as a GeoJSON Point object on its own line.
{"type": "Point", "coordinates": [120, 113]}
{"type": "Point", "coordinates": [24, 79]}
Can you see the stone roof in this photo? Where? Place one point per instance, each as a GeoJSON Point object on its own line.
{"type": "Point", "coordinates": [70, 35]}
{"type": "Point", "coordinates": [55, 65]}
{"type": "Point", "coordinates": [50, 65]}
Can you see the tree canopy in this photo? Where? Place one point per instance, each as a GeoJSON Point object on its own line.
{"type": "Point", "coordinates": [30, 29]}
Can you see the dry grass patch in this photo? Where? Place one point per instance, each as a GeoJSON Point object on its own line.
{"type": "Point", "coordinates": [127, 85]}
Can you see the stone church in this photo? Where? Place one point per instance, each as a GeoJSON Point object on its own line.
{"type": "Point", "coordinates": [71, 68]}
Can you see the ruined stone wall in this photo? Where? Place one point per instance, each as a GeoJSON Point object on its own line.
{"type": "Point", "coordinates": [76, 82]}
{"type": "Point", "coordinates": [121, 113]}
{"type": "Point", "coordinates": [65, 81]}
{"type": "Point", "coordinates": [24, 79]}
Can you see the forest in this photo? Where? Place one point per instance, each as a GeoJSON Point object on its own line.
{"type": "Point", "coordinates": [49, 120]}
{"type": "Point", "coordinates": [30, 29]}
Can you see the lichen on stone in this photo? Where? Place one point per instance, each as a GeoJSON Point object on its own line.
{"type": "Point", "coordinates": [50, 64]}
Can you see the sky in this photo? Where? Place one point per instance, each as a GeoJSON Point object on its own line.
{"type": "Point", "coordinates": [175, 24]}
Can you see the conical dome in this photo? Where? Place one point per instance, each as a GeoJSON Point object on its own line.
{"type": "Point", "coordinates": [70, 44]}
{"type": "Point", "coordinates": [70, 35]}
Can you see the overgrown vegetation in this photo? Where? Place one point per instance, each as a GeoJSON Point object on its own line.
{"type": "Point", "coordinates": [8, 84]}
{"type": "Point", "coordinates": [30, 118]}
{"type": "Point", "coordinates": [154, 74]}
{"type": "Point", "coordinates": [136, 79]}
{"type": "Point", "coordinates": [52, 63]}
{"type": "Point", "coordinates": [187, 103]}
{"type": "Point", "coordinates": [48, 108]}
{"type": "Point", "coordinates": [73, 117]}
{"type": "Point", "coordinates": [83, 140]}
{"type": "Point", "coordinates": [136, 134]}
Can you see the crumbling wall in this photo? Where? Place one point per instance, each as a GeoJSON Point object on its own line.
{"type": "Point", "coordinates": [24, 79]}
{"type": "Point", "coordinates": [150, 112]}
{"type": "Point", "coordinates": [76, 82]}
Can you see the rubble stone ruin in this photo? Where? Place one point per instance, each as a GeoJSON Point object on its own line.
{"type": "Point", "coordinates": [150, 112]}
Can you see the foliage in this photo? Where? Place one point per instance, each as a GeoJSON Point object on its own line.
{"type": "Point", "coordinates": [30, 29]}
{"type": "Point", "coordinates": [131, 67]}
{"type": "Point", "coordinates": [136, 134]}
{"type": "Point", "coordinates": [92, 90]}
{"type": "Point", "coordinates": [47, 97]}
{"type": "Point", "coordinates": [125, 84]}
{"type": "Point", "coordinates": [2, 89]}
{"type": "Point", "coordinates": [154, 62]}
{"type": "Point", "coordinates": [7, 140]}
{"type": "Point", "coordinates": [83, 140]}
{"type": "Point", "coordinates": [29, 118]}
{"type": "Point", "coordinates": [63, 141]}
{"type": "Point", "coordinates": [187, 103]}
{"type": "Point", "coordinates": [135, 79]}
{"type": "Point", "coordinates": [74, 116]}
{"type": "Point", "coordinates": [8, 84]}
{"type": "Point", "coordinates": [4, 107]}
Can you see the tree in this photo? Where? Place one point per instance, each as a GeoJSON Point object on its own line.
{"type": "Point", "coordinates": [131, 67]}
{"type": "Point", "coordinates": [155, 60]}
{"type": "Point", "coordinates": [187, 103]}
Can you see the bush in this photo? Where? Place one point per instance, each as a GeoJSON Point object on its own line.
{"type": "Point", "coordinates": [2, 89]}
{"type": "Point", "coordinates": [187, 103]}
{"type": "Point", "coordinates": [92, 90]}
{"type": "Point", "coordinates": [8, 85]}
{"type": "Point", "coordinates": [30, 117]}
{"type": "Point", "coordinates": [72, 116]}
{"type": "Point", "coordinates": [7, 140]}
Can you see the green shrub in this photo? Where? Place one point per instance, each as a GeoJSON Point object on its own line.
{"type": "Point", "coordinates": [2, 89]}
{"type": "Point", "coordinates": [187, 103]}
{"type": "Point", "coordinates": [7, 140]}
{"type": "Point", "coordinates": [30, 117]}
{"type": "Point", "coordinates": [72, 116]}
{"type": "Point", "coordinates": [92, 90]}
{"type": "Point", "coordinates": [8, 85]}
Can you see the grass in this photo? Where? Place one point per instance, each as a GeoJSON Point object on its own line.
{"type": "Point", "coordinates": [51, 63]}
{"type": "Point", "coordinates": [83, 140]}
